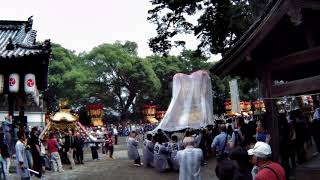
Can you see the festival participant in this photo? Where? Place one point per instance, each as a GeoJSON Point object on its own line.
{"type": "Point", "coordinates": [132, 145]}
{"type": "Point", "coordinates": [203, 138]}
{"type": "Point", "coordinates": [79, 144]}
{"type": "Point", "coordinates": [93, 146]}
{"type": "Point", "coordinates": [160, 159]}
{"type": "Point", "coordinates": [189, 161]}
{"type": "Point", "coordinates": [68, 147]}
{"type": "Point", "coordinates": [220, 146]}
{"type": "Point", "coordinates": [148, 151]}
{"type": "Point", "coordinates": [5, 153]}
{"type": "Point", "coordinates": [115, 133]}
{"type": "Point", "coordinates": [262, 135]}
{"type": "Point", "coordinates": [316, 126]}
{"type": "Point", "coordinates": [267, 170]}
{"type": "Point", "coordinates": [109, 146]}
{"type": "Point", "coordinates": [34, 144]}
{"type": "Point", "coordinates": [53, 148]}
{"type": "Point", "coordinates": [241, 159]}
{"type": "Point", "coordinates": [240, 134]}
{"type": "Point", "coordinates": [21, 158]}
{"type": "Point", "coordinates": [174, 147]}
{"type": "Point", "coordinates": [220, 142]}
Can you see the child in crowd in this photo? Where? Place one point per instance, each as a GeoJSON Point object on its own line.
{"type": "Point", "coordinates": [109, 146]}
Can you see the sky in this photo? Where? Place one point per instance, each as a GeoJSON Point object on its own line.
{"type": "Point", "coordinates": [81, 25]}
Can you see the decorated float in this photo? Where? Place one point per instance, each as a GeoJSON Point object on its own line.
{"type": "Point", "coordinates": [95, 112]}
{"type": "Point", "coordinates": [61, 120]}
{"type": "Point", "coordinates": [149, 114]}
{"type": "Point", "coordinates": [160, 115]}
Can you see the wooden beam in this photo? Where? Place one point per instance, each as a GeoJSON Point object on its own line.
{"type": "Point", "coordinates": [263, 29]}
{"type": "Point", "coordinates": [296, 87]}
{"type": "Point", "coordinates": [271, 115]}
{"type": "Point", "coordinates": [310, 4]}
{"type": "Point", "coordinates": [293, 60]}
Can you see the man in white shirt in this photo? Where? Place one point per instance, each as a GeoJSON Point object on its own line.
{"type": "Point", "coordinates": [189, 161]}
{"type": "Point", "coordinates": [115, 133]}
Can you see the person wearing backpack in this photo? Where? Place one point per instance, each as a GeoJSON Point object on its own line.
{"type": "Point", "coordinates": [267, 170]}
{"type": "Point", "coordinates": [220, 146]}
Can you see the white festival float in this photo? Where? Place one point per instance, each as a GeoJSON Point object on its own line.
{"type": "Point", "coordinates": [191, 105]}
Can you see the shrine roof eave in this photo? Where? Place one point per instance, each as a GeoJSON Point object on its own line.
{"type": "Point", "coordinates": [228, 65]}
{"type": "Point", "coordinates": [21, 52]}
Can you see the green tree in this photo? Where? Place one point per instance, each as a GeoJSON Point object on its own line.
{"type": "Point", "coordinates": [220, 24]}
{"type": "Point", "coordinates": [165, 68]}
{"type": "Point", "coordinates": [69, 78]}
{"type": "Point", "coordinates": [121, 76]}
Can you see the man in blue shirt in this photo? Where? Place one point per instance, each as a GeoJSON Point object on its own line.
{"type": "Point", "coordinates": [219, 142]}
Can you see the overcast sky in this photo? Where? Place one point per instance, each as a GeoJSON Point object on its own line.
{"type": "Point", "coordinates": [83, 24]}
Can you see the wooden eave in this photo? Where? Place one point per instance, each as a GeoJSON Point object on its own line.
{"type": "Point", "coordinates": [257, 32]}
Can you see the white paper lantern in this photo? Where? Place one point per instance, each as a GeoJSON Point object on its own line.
{"type": "Point", "coordinates": [30, 84]}
{"type": "Point", "coordinates": [14, 83]}
{"type": "Point", "coordinates": [1, 83]}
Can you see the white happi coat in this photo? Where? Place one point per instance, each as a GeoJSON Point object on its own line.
{"type": "Point", "coordinates": [160, 158]}
{"type": "Point", "coordinates": [148, 147]}
{"type": "Point", "coordinates": [132, 145]}
{"type": "Point", "coordinates": [174, 147]}
{"type": "Point", "coordinates": [21, 157]}
{"type": "Point", "coordinates": [190, 163]}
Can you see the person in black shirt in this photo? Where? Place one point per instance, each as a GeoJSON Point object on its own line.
{"type": "Point", "coordinates": [5, 153]}
{"type": "Point", "coordinates": [68, 147]}
{"type": "Point", "coordinates": [79, 143]}
{"type": "Point", "coordinates": [34, 144]}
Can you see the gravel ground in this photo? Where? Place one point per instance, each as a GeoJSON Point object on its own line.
{"type": "Point", "coordinates": [120, 168]}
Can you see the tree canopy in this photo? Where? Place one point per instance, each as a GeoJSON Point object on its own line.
{"type": "Point", "coordinates": [220, 23]}
{"type": "Point", "coordinates": [121, 76]}
{"type": "Point", "coordinates": [114, 75]}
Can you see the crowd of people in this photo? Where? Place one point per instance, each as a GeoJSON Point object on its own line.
{"type": "Point", "coordinates": [240, 145]}
{"type": "Point", "coordinates": [34, 156]}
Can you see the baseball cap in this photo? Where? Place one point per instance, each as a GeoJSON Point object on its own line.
{"type": "Point", "coordinates": [260, 149]}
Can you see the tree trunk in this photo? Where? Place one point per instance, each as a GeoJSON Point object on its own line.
{"type": "Point", "coordinates": [124, 112]}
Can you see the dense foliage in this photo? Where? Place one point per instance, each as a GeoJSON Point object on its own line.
{"type": "Point", "coordinates": [220, 23]}
{"type": "Point", "coordinates": [114, 75]}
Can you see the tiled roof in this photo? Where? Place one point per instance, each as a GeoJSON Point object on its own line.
{"type": "Point", "coordinates": [17, 39]}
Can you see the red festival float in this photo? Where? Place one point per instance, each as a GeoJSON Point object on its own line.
{"type": "Point", "coordinates": [149, 113]}
{"type": "Point", "coordinates": [95, 112]}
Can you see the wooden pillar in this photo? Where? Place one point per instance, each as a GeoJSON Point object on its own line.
{"type": "Point", "coordinates": [10, 105]}
{"type": "Point", "coordinates": [271, 114]}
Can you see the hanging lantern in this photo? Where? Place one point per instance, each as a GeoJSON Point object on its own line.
{"type": "Point", "coordinates": [1, 83]}
{"type": "Point", "coordinates": [30, 84]}
{"type": "Point", "coordinates": [14, 83]}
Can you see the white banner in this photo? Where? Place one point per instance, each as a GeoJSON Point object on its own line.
{"type": "Point", "coordinates": [14, 83]}
{"type": "Point", "coordinates": [1, 83]}
{"type": "Point", "coordinates": [234, 92]}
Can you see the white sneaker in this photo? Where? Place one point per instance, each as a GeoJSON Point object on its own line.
{"type": "Point", "coordinates": [138, 165]}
